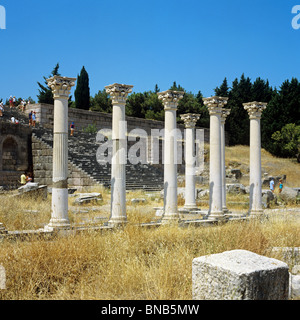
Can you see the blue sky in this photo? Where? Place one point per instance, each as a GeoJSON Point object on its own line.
{"type": "Point", "coordinates": [139, 42]}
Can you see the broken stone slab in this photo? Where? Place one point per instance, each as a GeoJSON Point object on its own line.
{"type": "Point", "coordinates": [159, 211]}
{"type": "Point", "coordinates": [288, 194]}
{"type": "Point", "coordinates": [34, 190]}
{"type": "Point", "coordinates": [138, 200]}
{"type": "Point", "coordinates": [84, 198]}
{"type": "Point", "coordinates": [236, 188]}
{"type": "Point", "coordinates": [268, 197]}
{"type": "Point", "coordinates": [239, 275]}
{"type": "Point", "coordinates": [294, 292]}
{"type": "Point", "coordinates": [237, 173]}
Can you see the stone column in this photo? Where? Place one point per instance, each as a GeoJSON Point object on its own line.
{"type": "Point", "coordinates": [61, 87]}
{"type": "Point", "coordinates": [215, 105]}
{"type": "Point", "coordinates": [225, 114]}
{"type": "Point", "coordinates": [255, 110]}
{"type": "Point", "coordinates": [190, 120]}
{"type": "Point", "coordinates": [170, 100]}
{"type": "Point", "coordinates": [118, 94]}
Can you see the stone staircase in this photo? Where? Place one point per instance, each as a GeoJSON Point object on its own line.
{"type": "Point", "coordinates": [82, 153]}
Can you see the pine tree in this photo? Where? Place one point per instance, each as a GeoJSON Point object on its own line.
{"type": "Point", "coordinates": [283, 108]}
{"type": "Point", "coordinates": [237, 124]}
{"type": "Point", "coordinates": [82, 91]}
{"type": "Point", "coordinates": [45, 93]}
{"type": "Point", "coordinates": [223, 91]}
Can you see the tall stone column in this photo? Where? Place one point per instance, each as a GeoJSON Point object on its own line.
{"type": "Point", "coordinates": [215, 105]}
{"type": "Point", "coordinates": [118, 94]}
{"type": "Point", "coordinates": [225, 114]}
{"type": "Point", "coordinates": [190, 120]}
{"type": "Point", "coordinates": [61, 87]}
{"type": "Point", "coordinates": [254, 110]}
{"type": "Point", "coordinates": [170, 100]}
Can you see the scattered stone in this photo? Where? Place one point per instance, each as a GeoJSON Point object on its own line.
{"type": "Point", "coordinates": [268, 197]}
{"type": "Point", "coordinates": [84, 198]}
{"type": "Point", "coordinates": [239, 275]}
{"type": "Point", "coordinates": [294, 286]}
{"type": "Point", "coordinates": [288, 194]}
{"type": "Point", "coordinates": [236, 188]}
{"type": "Point", "coordinates": [159, 211]}
{"type": "Point", "coordinates": [237, 173]}
{"type": "Point", "coordinates": [203, 193]}
{"type": "Point", "coordinates": [33, 190]}
{"type": "Point", "coordinates": [138, 200]}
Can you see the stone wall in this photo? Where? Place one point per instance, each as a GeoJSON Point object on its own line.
{"type": "Point", "coordinates": [15, 153]}
{"type": "Point", "coordinates": [42, 167]}
{"type": "Point", "coordinates": [101, 120]}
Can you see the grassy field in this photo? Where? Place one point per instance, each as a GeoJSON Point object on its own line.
{"type": "Point", "coordinates": [131, 263]}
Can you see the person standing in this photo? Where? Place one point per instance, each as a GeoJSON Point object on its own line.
{"type": "Point", "coordinates": [30, 118]}
{"type": "Point", "coordinates": [272, 185]}
{"type": "Point", "coordinates": [280, 185]}
{"type": "Point", "coordinates": [23, 179]}
{"type": "Point", "coordinates": [72, 127]}
{"type": "Point", "coordinates": [33, 117]}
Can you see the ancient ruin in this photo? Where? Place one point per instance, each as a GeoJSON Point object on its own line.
{"type": "Point", "coordinates": [61, 87]}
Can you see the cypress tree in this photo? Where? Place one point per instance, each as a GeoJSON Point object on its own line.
{"type": "Point", "coordinates": [45, 93]}
{"type": "Point", "coordinates": [82, 91]}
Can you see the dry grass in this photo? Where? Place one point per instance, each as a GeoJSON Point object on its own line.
{"type": "Point", "coordinates": [131, 263]}
{"type": "Point", "coordinates": [274, 166]}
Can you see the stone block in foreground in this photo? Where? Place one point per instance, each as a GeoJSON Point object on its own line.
{"type": "Point", "coordinates": [239, 275]}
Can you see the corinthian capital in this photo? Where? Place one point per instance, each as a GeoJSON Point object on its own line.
{"type": "Point", "coordinates": [190, 119]}
{"type": "Point", "coordinates": [225, 113]}
{"type": "Point", "coordinates": [118, 92]}
{"type": "Point", "coordinates": [255, 109]}
{"type": "Point", "coordinates": [215, 104]}
{"type": "Point", "coordinates": [60, 86]}
{"type": "Point", "coordinates": [170, 98]}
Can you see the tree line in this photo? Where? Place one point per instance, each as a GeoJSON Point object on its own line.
{"type": "Point", "coordinates": [280, 122]}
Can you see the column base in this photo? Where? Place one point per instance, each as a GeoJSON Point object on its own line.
{"type": "Point", "coordinates": [170, 219]}
{"type": "Point", "coordinates": [117, 222]}
{"type": "Point", "coordinates": [219, 216]}
{"type": "Point", "coordinates": [256, 213]}
{"type": "Point", "coordinates": [190, 207]}
{"type": "Point", "coordinates": [55, 224]}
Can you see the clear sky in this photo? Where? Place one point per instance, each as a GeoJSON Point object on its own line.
{"type": "Point", "coordinates": [146, 42]}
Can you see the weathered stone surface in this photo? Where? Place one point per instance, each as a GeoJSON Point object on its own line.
{"type": "Point", "coordinates": [288, 194]}
{"type": "Point", "coordinates": [34, 190]}
{"type": "Point", "coordinates": [294, 286]}
{"type": "Point", "coordinates": [84, 198]}
{"type": "Point", "coordinates": [239, 275]}
{"type": "Point", "coordinates": [236, 188]}
{"type": "Point", "coordinates": [268, 197]}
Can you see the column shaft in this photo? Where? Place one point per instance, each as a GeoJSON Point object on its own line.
{"type": "Point", "coordinates": [59, 208]}
{"type": "Point", "coordinates": [118, 93]}
{"type": "Point", "coordinates": [118, 171]}
{"type": "Point", "coordinates": [170, 100]}
{"type": "Point", "coordinates": [255, 110]}
{"type": "Point", "coordinates": [255, 168]}
{"type": "Point", "coordinates": [170, 166]}
{"type": "Point", "coordinates": [215, 173]}
{"type": "Point", "coordinates": [215, 105]}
